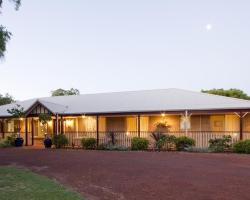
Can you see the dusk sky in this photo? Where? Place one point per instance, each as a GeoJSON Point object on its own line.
{"type": "Point", "coordinates": [111, 45]}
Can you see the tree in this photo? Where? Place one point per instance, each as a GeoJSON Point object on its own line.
{"type": "Point", "coordinates": [6, 99]}
{"type": "Point", "coordinates": [4, 33]}
{"type": "Point", "coordinates": [44, 118]}
{"type": "Point", "coordinates": [236, 93]}
{"type": "Point", "coordinates": [62, 92]}
{"type": "Point", "coordinates": [17, 112]}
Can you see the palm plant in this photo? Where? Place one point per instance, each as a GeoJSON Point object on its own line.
{"type": "Point", "coordinates": [160, 135]}
{"type": "Point", "coordinates": [111, 135]}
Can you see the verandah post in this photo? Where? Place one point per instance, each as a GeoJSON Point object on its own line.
{"type": "Point", "coordinates": [2, 128]}
{"type": "Point", "coordinates": [32, 131]}
{"type": "Point", "coordinates": [61, 124]}
{"type": "Point", "coordinates": [97, 130]}
{"type": "Point", "coordinates": [56, 124]}
{"type": "Point", "coordinates": [241, 125]}
{"type": "Point", "coordinates": [26, 131]}
{"type": "Point", "coordinates": [139, 125]}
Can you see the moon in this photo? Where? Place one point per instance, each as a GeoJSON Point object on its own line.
{"type": "Point", "coordinates": [209, 27]}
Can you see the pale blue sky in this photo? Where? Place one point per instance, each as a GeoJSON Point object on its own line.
{"type": "Point", "coordinates": [117, 45]}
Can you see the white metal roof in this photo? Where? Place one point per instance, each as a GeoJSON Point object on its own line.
{"type": "Point", "coordinates": [134, 101]}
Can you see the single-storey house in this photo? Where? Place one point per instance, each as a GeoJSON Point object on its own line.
{"type": "Point", "coordinates": [131, 114]}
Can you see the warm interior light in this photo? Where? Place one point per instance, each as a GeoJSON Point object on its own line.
{"type": "Point", "coordinates": [69, 123]}
{"type": "Point", "coordinates": [235, 135]}
{"type": "Point", "coordinates": [50, 123]}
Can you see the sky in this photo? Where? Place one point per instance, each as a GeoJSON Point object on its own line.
{"type": "Point", "coordinates": [105, 46]}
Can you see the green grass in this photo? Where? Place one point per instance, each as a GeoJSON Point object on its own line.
{"type": "Point", "coordinates": [20, 184]}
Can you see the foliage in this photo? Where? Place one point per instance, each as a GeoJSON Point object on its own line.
{"type": "Point", "coordinates": [111, 136]}
{"type": "Point", "coordinates": [4, 33]}
{"type": "Point", "coordinates": [7, 99]}
{"type": "Point", "coordinates": [159, 135]}
{"type": "Point", "coordinates": [242, 146]}
{"type": "Point", "coordinates": [220, 144]}
{"type": "Point", "coordinates": [22, 184]}
{"type": "Point", "coordinates": [88, 143]}
{"type": "Point", "coordinates": [59, 141]}
{"type": "Point", "coordinates": [139, 143]}
{"type": "Point", "coordinates": [4, 38]}
{"type": "Point", "coordinates": [16, 112]}
{"type": "Point", "coordinates": [62, 92]}
{"type": "Point", "coordinates": [8, 142]}
{"type": "Point", "coordinates": [44, 118]}
{"type": "Point", "coordinates": [110, 147]}
{"type": "Point", "coordinates": [197, 149]}
{"type": "Point", "coordinates": [160, 139]}
{"type": "Point", "coordinates": [236, 93]}
{"type": "Point", "coordinates": [16, 2]}
{"type": "Point", "coordinates": [162, 127]}
{"type": "Point", "coordinates": [184, 142]}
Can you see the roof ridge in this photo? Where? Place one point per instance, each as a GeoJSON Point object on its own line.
{"type": "Point", "coordinates": [216, 95]}
{"type": "Point", "coordinates": [40, 100]}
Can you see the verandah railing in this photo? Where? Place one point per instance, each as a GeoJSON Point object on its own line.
{"type": "Point", "coordinates": [124, 138]}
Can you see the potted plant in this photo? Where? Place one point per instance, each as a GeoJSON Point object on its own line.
{"type": "Point", "coordinates": [17, 112]}
{"type": "Point", "coordinates": [44, 118]}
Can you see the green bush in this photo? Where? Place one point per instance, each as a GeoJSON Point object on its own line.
{"type": "Point", "coordinates": [160, 140]}
{"type": "Point", "coordinates": [220, 144]}
{"type": "Point", "coordinates": [8, 142]}
{"type": "Point", "coordinates": [163, 141]}
{"type": "Point", "coordinates": [183, 143]}
{"type": "Point", "coordinates": [242, 146]}
{"type": "Point", "coordinates": [139, 144]}
{"type": "Point", "coordinates": [88, 143]}
{"type": "Point", "coordinates": [59, 140]}
{"type": "Point", "coordinates": [4, 144]}
{"type": "Point", "coordinates": [111, 147]}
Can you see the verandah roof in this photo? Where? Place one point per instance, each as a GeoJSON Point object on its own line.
{"type": "Point", "coordinates": [133, 101]}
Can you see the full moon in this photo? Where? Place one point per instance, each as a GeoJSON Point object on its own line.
{"type": "Point", "coordinates": [209, 27]}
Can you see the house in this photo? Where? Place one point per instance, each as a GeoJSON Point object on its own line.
{"type": "Point", "coordinates": [131, 114]}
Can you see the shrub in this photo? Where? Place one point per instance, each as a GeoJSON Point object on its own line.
{"type": "Point", "coordinates": [111, 136]}
{"type": "Point", "coordinates": [88, 143]}
{"type": "Point", "coordinates": [59, 140]}
{"type": "Point", "coordinates": [198, 149]}
{"type": "Point", "coordinates": [110, 147]}
{"type": "Point", "coordinates": [8, 142]}
{"type": "Point", "coordinates": [160, 140]}
{"type": "Point", "coordinates": [242, 146]}
{"type": "Point", "coordinates": [220, 144]}
{"type": "Point", "coordinates": [184, 142]}
{"type": "Point", "coordinates": [163, 140]}
{"type": "Point", "coordinates": [4, 144]}
{"type": "Point", "coordinates": [139, 144]}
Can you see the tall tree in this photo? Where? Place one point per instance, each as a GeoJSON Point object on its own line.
{"type": "Point", "coordinates": [62, 92]}
{"type": "Point", "coordinates": [236, 93]}
{"type": "Point", "coordinates": [4, 33]}
{"type": "Point", "coordinates": [6, 99]}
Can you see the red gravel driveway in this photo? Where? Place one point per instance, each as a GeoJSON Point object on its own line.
{"type": "Point", "coordinates": [101, 175]}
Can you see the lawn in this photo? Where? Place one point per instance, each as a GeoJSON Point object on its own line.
{"type": "Point", "coordinates": [20, 184]}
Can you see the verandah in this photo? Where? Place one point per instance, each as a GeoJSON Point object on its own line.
{"type": "Point", "coordinates": [201, 128]}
